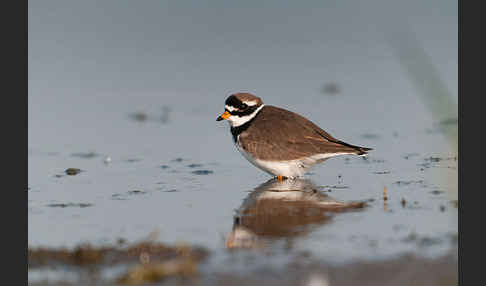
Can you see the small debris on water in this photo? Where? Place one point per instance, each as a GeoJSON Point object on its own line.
{"type": "Point", "coordinates": [118, 197]}
{"type": "Point", "coordinates": [405, 183]}
{"type": "Point", "coordinates": [65, 205]}
{"type": "Point", "coordinates": [438, 159]}
{"type": "Point", "coordinates": [138, 116]}
{"type": "Point", "coordinates": [194, 165]}
{"type": "Point", "coordinates": [136, 192]}
{"type": "Point", "coordinates": [72, 171]}
{"type": "Point", "coordinates": [385, 197]}
{"type": "Point", "coordinates": [202, 172]}
{"type": "Point", "coordinates": [403, 202]}
{"type": "Point", "coordinates": [164, 167]}
{"type": "Point", "coordinates": [85, 155]}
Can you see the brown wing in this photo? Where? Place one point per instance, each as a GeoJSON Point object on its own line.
{"type": "Point", "coordinates": [279, 134]}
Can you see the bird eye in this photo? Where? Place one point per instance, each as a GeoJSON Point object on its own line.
{"type": "Point", "coordinates": [243, 106]}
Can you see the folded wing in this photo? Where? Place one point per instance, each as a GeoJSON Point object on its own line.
{"type": "Point", "coordinates": [294, 137]}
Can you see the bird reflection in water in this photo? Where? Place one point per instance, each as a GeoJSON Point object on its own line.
{"type": "Point", "coordinates": [282, 209]}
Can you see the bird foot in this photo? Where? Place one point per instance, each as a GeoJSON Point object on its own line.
{"type": "Point", "coordinates": [281, 178]}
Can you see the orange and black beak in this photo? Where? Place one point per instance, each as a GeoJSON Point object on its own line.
{"type": "Point", "coordinates": [225, 116]}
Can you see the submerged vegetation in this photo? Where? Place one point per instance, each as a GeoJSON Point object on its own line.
{"type": "Point", "coordinates": [144, 261]}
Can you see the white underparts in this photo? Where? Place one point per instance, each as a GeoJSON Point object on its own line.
{"type": "Point", "coordinates": [235, 120]}
{"type": "Point", "coordinates": [290, 168]}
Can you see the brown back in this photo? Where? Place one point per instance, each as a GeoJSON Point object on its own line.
{"type": "Point", "coordinates": [279, 134]}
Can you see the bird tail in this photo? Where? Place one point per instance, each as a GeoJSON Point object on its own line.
{"type": "Point", "coordinates": [360, 151]}
{"type": "Point", "coordinates": [363, 151]}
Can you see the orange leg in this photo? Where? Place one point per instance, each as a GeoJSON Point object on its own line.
{"type": "Point", "coordinates": [281, 178]}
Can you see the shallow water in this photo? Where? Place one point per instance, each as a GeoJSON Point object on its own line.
{"type": "Point", "coordinates": [185, 179]}
{"type": "Point", "coordinates": [153, 158]}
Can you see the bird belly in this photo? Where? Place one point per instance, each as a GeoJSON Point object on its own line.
{"type": "Point", "coordinates": [290, 168]}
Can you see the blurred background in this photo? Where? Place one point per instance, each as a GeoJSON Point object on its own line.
{"type": "Point", "coordinates": [128, 93]}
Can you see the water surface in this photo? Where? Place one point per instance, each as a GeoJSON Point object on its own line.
{"type": "Point", "coordinates": [136, 115]}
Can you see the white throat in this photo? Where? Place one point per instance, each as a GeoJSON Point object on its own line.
{"type": "Point", "coordinates": [236, 121]}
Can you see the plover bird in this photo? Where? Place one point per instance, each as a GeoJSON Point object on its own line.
{"type": "Point", "coordinates": [280, 142]}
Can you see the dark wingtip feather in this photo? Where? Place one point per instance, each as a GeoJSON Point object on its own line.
{"type": "Point", "coordinates": [363, 150]}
